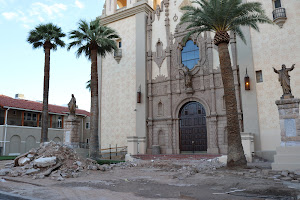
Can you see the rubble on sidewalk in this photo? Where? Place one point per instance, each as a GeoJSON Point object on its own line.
{"type": "Point", "coordinates": [49, 160]}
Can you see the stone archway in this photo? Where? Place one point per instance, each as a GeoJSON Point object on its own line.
{"type": "Point", "coordinates": [15, 144]}
{"type": "Point", "coordinates": [30, 143]}
{"type": "Point", "coordinates": [192, 127]}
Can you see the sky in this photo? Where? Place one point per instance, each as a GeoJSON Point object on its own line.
{"type": "Point", "coordinates": [22, 67]}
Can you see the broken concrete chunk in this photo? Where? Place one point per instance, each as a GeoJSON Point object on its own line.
{"type": "Point", "coordinates": [284, 173]}
{"type": "Point", "coordinates": [30, 156]}
{"type": "Point", "coordinates": [60, 179]}
{"type": "Point", "coordinates": [23, 161]}
{"type": "Point", "coordinates": [32, 171]}
{"type": "Point", "coordinates": [4, 172]}
{"type": "Point", "coordinates": [45, 162]}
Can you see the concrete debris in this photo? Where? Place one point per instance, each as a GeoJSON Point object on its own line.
{"type": "Point", "coordinates": [23, 161]}
{"type": "Point", "coordinates": [45, 162]}
{"type": "Point", "coordinates": [49, 160]}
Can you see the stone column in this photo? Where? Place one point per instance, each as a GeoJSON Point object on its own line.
{"type": "Point", "coordinates": [71, 132]}
{"type": "Point", "coordinates": [287, 155]}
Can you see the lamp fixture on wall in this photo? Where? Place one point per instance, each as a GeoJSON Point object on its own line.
{"type": "Point", "coordinates": [139, 95]}
{"type": "Point", "coordinates": [247, 81]}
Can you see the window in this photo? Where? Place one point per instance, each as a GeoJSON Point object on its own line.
{"type": "Point", "coordinates": [159, 49]}
{"type": "Point", "coordinates": [277, 3]}
{"type": "Point", "coordinates": [33, 117]}
{"type": "Point", "coordinates": [190, 54]}
{"type": "Point", "coordinates": [59, 122]}
{"type": "Point", "coordinates": [28, 116]}
{"type": "Point", "coordinates": [259, 77]}
{"type": "Point", "coordinates": [87, 125]}
{"type": "Point", "coordinates": [120, 44]}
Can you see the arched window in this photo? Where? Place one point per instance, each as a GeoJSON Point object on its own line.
{"type": "Point", "coordinates": [190, 54]}
{"type": "Point", "coordinates": [159, 49]}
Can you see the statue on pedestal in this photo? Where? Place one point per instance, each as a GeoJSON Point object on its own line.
{"type": "Point", "coordinates": [284, 79]}
{"type": "Point", "coordinates": [72, 105]}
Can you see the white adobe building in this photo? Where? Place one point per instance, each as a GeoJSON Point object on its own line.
{"type": "Point", "coordinates": [144, 101]}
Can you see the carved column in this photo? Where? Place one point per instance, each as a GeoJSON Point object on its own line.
{"type": "Point", "coordinates": [149, 79]}
{"type": "Point", "coordinates": [170, 137]}
{"type": "Point", "coordinates": [213, 139]}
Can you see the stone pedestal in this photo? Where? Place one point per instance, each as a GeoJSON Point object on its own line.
{"type": "Point", "coordinates": [287, 155]}
{"type": "Point", "coordinates": [136, 145]}
{"type": "Point", "coordinates": [155, 149]}
{"type": "Point", "coordinates": [71, 132]}
{"type": "Point", "coordinates": [248, 145]}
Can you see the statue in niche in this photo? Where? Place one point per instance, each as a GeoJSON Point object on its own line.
{"type": "Point", "coordinates": [187, 79]}
{"type": "Point", "coordinates": [284, 79]}
{"type": "Point", "coordinates": [72, 105]}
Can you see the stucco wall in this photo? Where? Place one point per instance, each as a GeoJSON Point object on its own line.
{"type": "Point", "coordinates": [118, 88]}
{"type": "Point", "coordinates": [272, 47]}
{"type": "Point", "coordinates": [24, 133]}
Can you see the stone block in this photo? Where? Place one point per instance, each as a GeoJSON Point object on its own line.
{"type": "Point", "coordinates": [45, 162]}
{"type": "Point", "coordinates": [23, 161]}
{"type": "Point", "coordinates": [4, 172]}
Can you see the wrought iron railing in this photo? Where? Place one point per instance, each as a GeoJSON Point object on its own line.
{"type": "Point", "coordinates": [279, 13]}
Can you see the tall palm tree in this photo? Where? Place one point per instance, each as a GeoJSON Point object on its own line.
{"type": "Point", "coordinates": [49, 37]}
{"type": "Point", "coordinates": [93, 39]}
{"type": "Point", "coordinates": [221, 16]}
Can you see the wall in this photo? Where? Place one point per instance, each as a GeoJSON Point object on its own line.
{"type": "Point", "coordinates": [118, 88]}
{"type": "Point", "coordinates": [24, 133]}
{"type": "Point", "coordinates": [272, 47]}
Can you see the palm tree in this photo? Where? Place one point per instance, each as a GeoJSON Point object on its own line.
{"type": "Point", "coordinates": [221, 16]}
{"type": "Point", "coordinates": [93, 39]}
{"type": "Point", "coordinates": [49, 37]}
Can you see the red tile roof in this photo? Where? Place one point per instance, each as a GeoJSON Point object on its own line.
{"type": "Point", "coordinates": [6, 101]}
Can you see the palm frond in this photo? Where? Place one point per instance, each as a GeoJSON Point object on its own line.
{"type": "Point", "coordinates": [93, 33]}
{"type": "Point", "coordinates": [46, 32]}
{"type": "Point", "coordinates": [223, 15]}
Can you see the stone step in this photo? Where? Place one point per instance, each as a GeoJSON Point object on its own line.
{"type": "Point", "coordinates": [287, 158]}
{"type": "Point", "coordinates": [288, 150]}
{"type": "Point", "coordinates": [286, 166]}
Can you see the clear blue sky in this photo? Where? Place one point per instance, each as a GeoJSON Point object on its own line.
{"type": "Point", "coordinates": [22, 67]}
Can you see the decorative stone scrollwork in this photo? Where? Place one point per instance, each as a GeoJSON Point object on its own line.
{"type": "Point", "coordinates": [175, 18]}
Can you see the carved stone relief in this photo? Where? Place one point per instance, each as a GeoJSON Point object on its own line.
{"type": "Point", "coordinates": [168, 92]}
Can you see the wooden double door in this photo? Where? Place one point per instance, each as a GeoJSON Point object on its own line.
{"type": "Point", "coordinates": [193, 131]}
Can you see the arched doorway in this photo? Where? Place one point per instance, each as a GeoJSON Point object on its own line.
{"type": "Point", "coordinates": [15, 144]}
{"type": "Point", "coordinates": [193, 131]}
{"type": "Point", "coordinates": [30, 143]}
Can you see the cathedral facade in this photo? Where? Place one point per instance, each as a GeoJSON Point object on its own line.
{"type": "Point", "coordinates": [159, 92]}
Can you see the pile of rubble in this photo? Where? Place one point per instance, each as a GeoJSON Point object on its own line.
{"type": "Point", "coordinates": [50, 160]}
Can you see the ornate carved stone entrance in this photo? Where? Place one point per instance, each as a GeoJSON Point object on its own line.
{"type": "Point", "coordinates": [193, 131]}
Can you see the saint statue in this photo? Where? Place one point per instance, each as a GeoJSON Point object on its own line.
{"type": "Point", "coordinates": [72, 105]}
{"type": "Point", "coordinates": [284, 79]}
{"type": "Point", "coordinates": [187, 78]}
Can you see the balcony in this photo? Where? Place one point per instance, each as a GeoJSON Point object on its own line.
{"type": "Point", "coordinates": [118, 55]}
{"type": "Point", "coordinates": [279, 16]}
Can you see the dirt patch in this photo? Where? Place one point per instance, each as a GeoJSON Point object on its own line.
{"type": "Point", "coordinates": [188, 179]}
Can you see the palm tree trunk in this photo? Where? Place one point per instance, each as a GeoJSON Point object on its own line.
{"type": "Point", "coordinates": [236, 155]}
{"type": "Point", "coordinates": [44, 133]}
{"type": "Point", "coordinates": [94, 140]}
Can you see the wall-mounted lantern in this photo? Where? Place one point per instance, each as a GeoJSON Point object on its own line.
{"type": "Point", "coordinates": [139, 95]}
{"type": "Point", "coordinates": [247, 81]}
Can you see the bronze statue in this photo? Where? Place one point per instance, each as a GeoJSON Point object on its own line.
{"type": "Point", "coordinates": [284, 79]}
{"type": "Point", "coordinates": [187, 78]}
{"type": "Point", "coordinates": [72, 105]}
